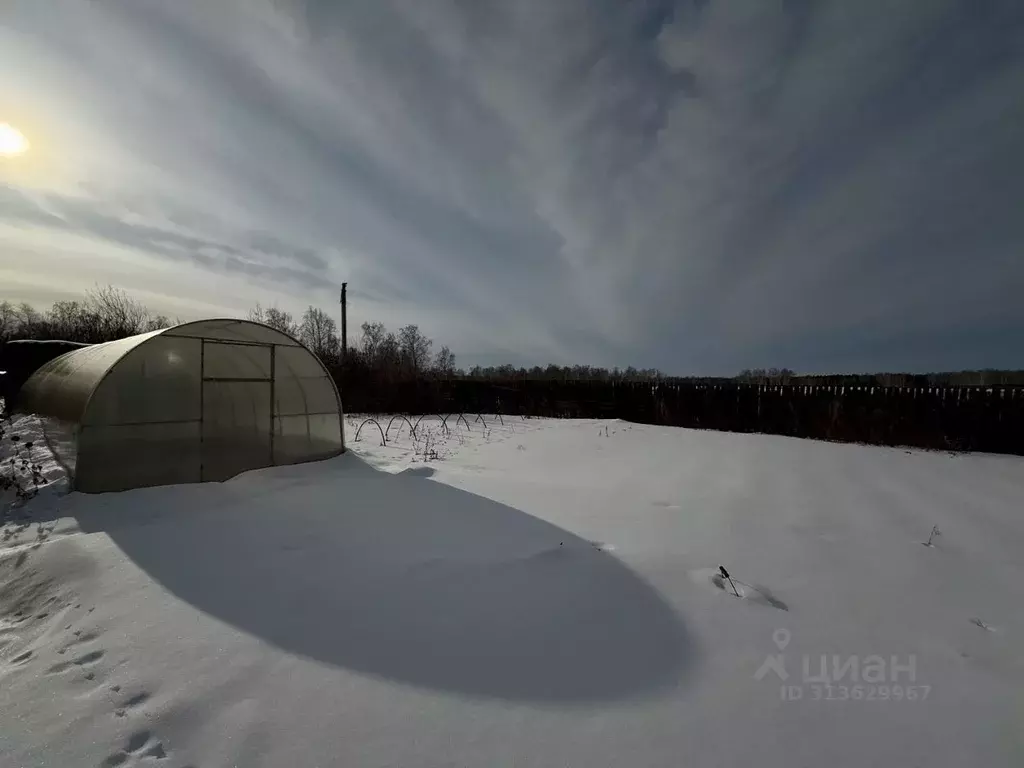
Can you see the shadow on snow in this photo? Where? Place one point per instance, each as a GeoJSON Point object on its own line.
{"type": "Point", "coordinates": [403, 578]}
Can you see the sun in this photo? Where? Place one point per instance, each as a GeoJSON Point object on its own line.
{"type": "Point", "coordinates": [12, 142]}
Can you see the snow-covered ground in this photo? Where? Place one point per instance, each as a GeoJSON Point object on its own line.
{"type": "Point", "coordinates": [533, 593]}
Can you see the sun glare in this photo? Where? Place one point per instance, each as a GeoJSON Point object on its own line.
{"type": "Point", "coordinates": [12, 143]}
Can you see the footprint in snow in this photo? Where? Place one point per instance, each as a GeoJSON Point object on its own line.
{"type": "Point", "coordinates": [129, 706]}
{"type": "Point", "coordinates": [85, 660]}
{"type": "Point", "coordinates": [140, 745]}
{"type": "Point", "coordinates": [81, 638]}
{"type": "Point", "coordinates": [22, 658]}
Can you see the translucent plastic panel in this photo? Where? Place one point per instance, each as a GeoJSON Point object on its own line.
{"type": "Point", "coordinates": [235, 361]}
{"type": "Point", "coordinates": [297, 361]}
{"type": "Point", "coordinates": [61, 438]}
{"type": "Point", "coordinates": [236, 428]}
{"type": "Point", "coordinates": [156, 382]}
{"type": "Point", "coordinates": [296, 396]}
{"type": "Point", "coordinates": [232, 330]}
{"type": "Point", "coordinates": [306, 438]}
{"type": "Point", "coordinates": [63, 386]}
{"type": "Point", "coordinates": [115, 458]}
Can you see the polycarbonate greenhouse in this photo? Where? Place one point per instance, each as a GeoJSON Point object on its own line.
{"type": "Point", "coordinates": [196, 402]}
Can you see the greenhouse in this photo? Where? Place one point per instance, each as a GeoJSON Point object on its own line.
{"type": "Point", "coordinates": [198, 402]}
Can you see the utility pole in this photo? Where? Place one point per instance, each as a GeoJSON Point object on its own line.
{"type": "Point", "coordinates": [344, 324]}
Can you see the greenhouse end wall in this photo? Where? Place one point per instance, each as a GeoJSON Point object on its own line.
{"type": "Point", "coordinates": [197, 402]}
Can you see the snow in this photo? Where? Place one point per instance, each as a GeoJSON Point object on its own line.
{"type": "Point", "coordinates": [528, 593]}
{"type": "Point", "coordinates": [33, 447]}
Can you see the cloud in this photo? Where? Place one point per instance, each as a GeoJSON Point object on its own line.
{"type": "Point", "coordinates": [259, 255]}
{"type": "Point", "coordinates": [698, 186]}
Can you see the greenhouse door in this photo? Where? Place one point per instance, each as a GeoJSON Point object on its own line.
{"type": "Point", "coordinates": [237, 408]}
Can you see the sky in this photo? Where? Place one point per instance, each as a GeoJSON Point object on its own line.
{"type": "Point", "coordinates": [696, 186]}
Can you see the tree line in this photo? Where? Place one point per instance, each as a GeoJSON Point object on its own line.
{"type": "Point", "coordinates": [109, 313]}
{"type": "Point", "coordinates": [380, 355]}
{"type": "Point", "coordinates": [103, 314]}
{"type": "Point", "coordinates": [383, 355]}
{"type": "Point", "coordinates": [405, 353]}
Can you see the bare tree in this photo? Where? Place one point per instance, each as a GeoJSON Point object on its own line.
{"type": "Point", "coordinates": [282, 321]}
{"type": "Point", "coordinates": [276, 318]}
{"type": "Point", "coordinates": [119, 314]}
{"type": "Point", "coordinates": [389, 354]}
{"type": "Point", "coordinates": [157, 322]}
{"type": "Point", "coordinates": [28, 319]}
{"type": "Point", "coordinates": [415, 348]}
{"type": "Point", "coordinates": [72, 320]}
{"type": "Point", "coordinates": [8, 320]}
{"type": "Point", "coordinates": [257, 314]}
{"type": "Point", "coordinates": [372, 341]}
{"type": "Point", "coordinates": [319, 332]}
{"type": "Point", "coordinates": [444, 362]}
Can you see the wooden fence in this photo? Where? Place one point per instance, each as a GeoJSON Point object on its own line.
{"type": "Point", "coordinates": [987, 419]}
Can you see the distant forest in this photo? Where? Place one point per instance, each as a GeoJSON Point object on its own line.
{"type": "Point", "coordinates": [379, 354]}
